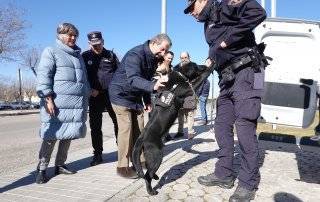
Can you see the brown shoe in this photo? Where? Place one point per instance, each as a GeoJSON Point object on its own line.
{"type": "Point", "coordinates": [127, 172]}
{"type": "Point", "coordinates": [191, 135]}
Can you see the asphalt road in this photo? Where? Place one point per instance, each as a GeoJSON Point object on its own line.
{"type": "Point", "coordinates": [20, 143]}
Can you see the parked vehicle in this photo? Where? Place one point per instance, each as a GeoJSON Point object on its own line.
{"type": "Point", "coordinates": [19, 105]}
{"type": "Point", "coordinates": [32, 105]}
{"type": "Point", "coordinates": [293, 77]}
{"type": "Point", "coordinates": [4, 105]}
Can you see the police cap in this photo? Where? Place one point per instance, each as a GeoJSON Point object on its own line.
{"type": "Point", "coordinates": [95, 38]}
{"type": "Point", "coordinates": [189, 6]}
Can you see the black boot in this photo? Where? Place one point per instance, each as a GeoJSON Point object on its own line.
{"type": "Point", "coordinates": [242, 195]}
{"type": "Point", "coordinates": [96, 159]}
{"type": "Point", "coordinates": [213, 180]}
{"type": "Point", "coordinates": [179, 134]}
{"type": "Point", "coordinates": [64, 170]}
{"type": "Point", "coordinates": [41, 177]}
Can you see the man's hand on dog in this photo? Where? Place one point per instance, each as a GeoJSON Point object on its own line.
{"type": "Point", "coordinates": [148, 107]}
{"type": "Point", "coordinates": [208, 62]}
{"type": "Point", "coordinates": [160, 82]}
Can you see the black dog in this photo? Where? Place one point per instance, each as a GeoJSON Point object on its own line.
{"type": "Point", "coordinates": [162, 117]}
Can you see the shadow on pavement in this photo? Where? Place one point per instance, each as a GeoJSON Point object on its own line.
{"type": "Point", "coordinates": [84, 163]}
{"type": "Point", "coordinates": [178, 171]}
{"type": "Point", "coordinates": [27, 180]}
{"type": "Point", "coordinates": [77, 165]}
{"type": "Point", "coordinates": [285, 197]}
{"type": "Point", "coordinates": [307, 159]}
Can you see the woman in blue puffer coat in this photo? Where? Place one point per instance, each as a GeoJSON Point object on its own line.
{"type": "Point", "coordinates": [63, 89]}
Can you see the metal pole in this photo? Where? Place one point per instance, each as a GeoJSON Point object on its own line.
{"type": "Point", "coordinates": [164, 16]}
{"type": "Point", "coordinates": [263, 3]}
{"type": "Point", "coordinates": [20, 87]}
{"type": "Point", "coordinates": [273, 8]}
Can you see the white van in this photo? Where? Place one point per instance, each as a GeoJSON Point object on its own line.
{"type": "Point", "coordinates": [293, 76]}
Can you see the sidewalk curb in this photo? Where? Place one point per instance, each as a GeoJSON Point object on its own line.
{"type": "Point", "coordinates": [285, 138]}
{"type": "Point", "coordinates": [19, 113]}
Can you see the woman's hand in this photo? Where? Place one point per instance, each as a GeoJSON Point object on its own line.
{"type": "Point", "coordinates": [50, 108]}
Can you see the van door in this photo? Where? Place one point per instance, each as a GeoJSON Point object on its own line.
{"type": "Point", "coordinates": [292, 77]}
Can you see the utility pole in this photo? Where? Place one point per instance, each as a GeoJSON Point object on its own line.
{"type": "Point", "coordinates": [20, 86]}
{"type": "Point", "coordinates": [263, 3]}
{"type": "Point", "coordinates": [273, 8]}
{"type": "Point", "coordinates": [164, 16]}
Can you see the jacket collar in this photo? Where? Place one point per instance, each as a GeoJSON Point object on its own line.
{"type": "Point", "coordinates": [150, 57]}
{"type": "Point", "coordinates": [205, 13]}
{"type": "Point", "coordinates": [75, 51]}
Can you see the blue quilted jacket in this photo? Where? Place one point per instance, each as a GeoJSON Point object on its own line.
{"type": "Point", "coordinates": [61, 73]}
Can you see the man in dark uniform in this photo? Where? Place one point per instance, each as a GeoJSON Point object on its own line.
{"type": "Point", "coordinates": [101, 64]}
{"type": "Point", "coordinates": [228, 30]}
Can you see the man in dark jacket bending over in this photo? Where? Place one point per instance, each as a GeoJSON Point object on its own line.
{"type": "Point", "coordinates": [130, 92]}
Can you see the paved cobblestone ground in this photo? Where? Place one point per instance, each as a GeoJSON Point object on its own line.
{"type": "Point", "coordinates": [288, 173]}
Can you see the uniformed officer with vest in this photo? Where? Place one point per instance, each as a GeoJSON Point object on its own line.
{"type": "Point", "coordinates": [240, 64]}
{"type": "Point", "coordinates": [101, 64]}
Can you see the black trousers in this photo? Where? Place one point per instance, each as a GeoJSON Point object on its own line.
{"type": "Point", "coordinates": [97, 105]}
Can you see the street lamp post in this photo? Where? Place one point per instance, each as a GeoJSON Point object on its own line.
{"type": "Point", "coordinates": [20, 86]}
{"type": "Point", "coordinates": [273, 8]}
{"type": "Point", "coordinates": [263, 3]}
{"type": "Point", "coordinates": [164, 16]}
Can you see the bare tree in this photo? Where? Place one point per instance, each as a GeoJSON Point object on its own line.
{"type": "Point", "coordinates": [3, 88]}
{"type": "Point", "coordinates": [30, 58]}
{"type": "Point", "coordinates": [9, 90]}
{"type": "Point", "coordinates": [12, 26]}
{"type": "Point", "coordinates": [29, 87]}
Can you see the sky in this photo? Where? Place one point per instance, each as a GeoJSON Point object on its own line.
{"type": "Point", "coordinates": [127, 23]}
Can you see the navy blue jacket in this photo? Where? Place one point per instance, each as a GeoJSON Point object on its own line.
{"type": "Point", "coordinates": [131, 83]}
{"type": "Point", "coordinates": [204, 89]}
{"type": "Point", "coordinates": [232, 22]}
{"type": "Point", "coordinates": [100, 68]}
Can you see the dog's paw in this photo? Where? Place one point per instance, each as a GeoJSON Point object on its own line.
{"type": "Point", "coordinates": [156, 177]}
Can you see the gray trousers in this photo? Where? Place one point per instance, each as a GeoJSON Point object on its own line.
{"type": "Point", "coordinates": [46, 151]}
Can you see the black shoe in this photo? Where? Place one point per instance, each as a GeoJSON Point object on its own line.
{"type": "Point", "coordinates": [179, 134]}
{"type": "Point", "coordinates": [41, 177]}
{"type": "Point", "coordinates": [213, 180]}
{"type": "Point", "coordinates": [168, 138]}
{"type": "Point", "coordinates": [242, 195]}
{"type": "Point", "coordinates": [64, 170]}
{"type": "Point", "coordinates": [97, 159]}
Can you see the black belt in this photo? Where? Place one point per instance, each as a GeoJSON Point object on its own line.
{"type": "Point", "coordinates": [239, 63]}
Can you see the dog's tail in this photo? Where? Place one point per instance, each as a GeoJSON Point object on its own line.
{"type": "Point", "coordinates": [137, 150]}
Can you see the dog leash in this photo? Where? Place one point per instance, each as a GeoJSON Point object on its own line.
{"type": "Point", "coordinates": [187, 80]}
